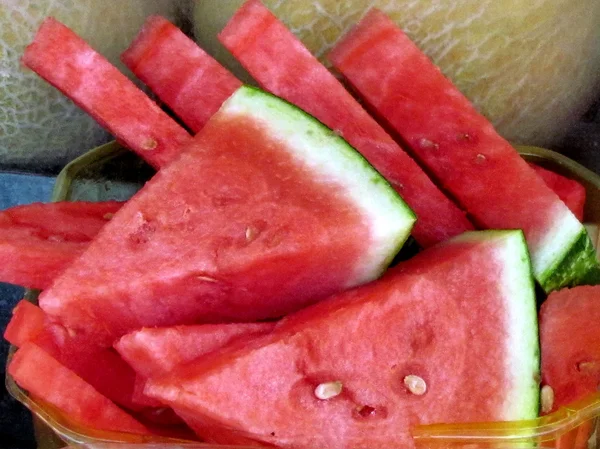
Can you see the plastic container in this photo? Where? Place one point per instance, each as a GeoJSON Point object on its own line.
{"type": "Point", "coordinates": [109, 172]}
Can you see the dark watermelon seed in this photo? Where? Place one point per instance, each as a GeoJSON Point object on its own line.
{"type": "Point", "coordinates": [366, 411]}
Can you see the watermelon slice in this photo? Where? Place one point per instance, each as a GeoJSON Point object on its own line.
{"type": "Point", "coordinates": [34, 370]}
{"type": "Point", "coordinates": [568, 190]}
{"type": "Point", "coordinates": [115, 379]}
{"type": "Point", "coordinates": [41, 240]}
{"type": "Point", "coordinates": [67, 62]}
{"type": "Point", "coordinates": [291, 215]}
{"type": "Point", "coordinates": [153, 352]}
{"type": "Point", "coordinates": [570, 343]}
{"type": "Point", "coordinates": [462, 150]}
{"type": "Point", "coordinates": [282, 65]}
{"type": "Point", "coordinates": [156, 351]}
{"type": "Point", "coordinates": [448, 336]}
{"type": "Point", "coordinates": [180, 73]}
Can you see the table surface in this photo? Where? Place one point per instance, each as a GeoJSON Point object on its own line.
{"type": "Point", "coordinates": [16, 431]}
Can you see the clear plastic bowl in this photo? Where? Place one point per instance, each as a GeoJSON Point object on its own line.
{"type": "Point", "coordinates": [110, 172]}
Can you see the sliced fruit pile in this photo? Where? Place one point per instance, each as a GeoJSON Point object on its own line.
{"type": "Point", "coordinates": [244, 291]}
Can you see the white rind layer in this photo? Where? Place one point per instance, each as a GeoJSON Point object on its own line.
{"type": "Point", "coordinates": [333, 161]}
{"type": "Point", "coordinates": [556, 243]}
{"type": "Point", "coordinates": [522, 342]}
{"type": "Point", "coordinates": [517, 289]}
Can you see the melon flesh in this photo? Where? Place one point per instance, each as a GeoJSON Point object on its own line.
{"type": "Point", "coordinates": [459, 146]}
{"type": "Point", "coordinates": [291, 215]}
{"type": "Point", "coordinates": [461, 316]}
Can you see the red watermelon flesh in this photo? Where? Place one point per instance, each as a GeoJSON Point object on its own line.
{"type": "Point", "coordinates": [282, 65]}
{"type": "Point", "coordinates": [461, 148]}
{"type": "Point", "coordinates": [34, 370]}
{"type": "Point", "coordinates": [461, 316]}
{"type": "Point", "coordinates": [179, 72]}
{"type": "Point", "coordinates": [570, 343]}
{"type": "Point", "coordinates": [41, 240]}
{"type": "Point", "coordinates": [156, 351]}
{"type": "Point", "coordinates": [68, 63]}
{"type": "Point", "coordinates": [153, 352]}
{"type": "Point", "coordinates": [102, 368]}
{"type": "Point", "coordinates": [291, 214]}
{"type": "Point", "coordinates": [568, 190]}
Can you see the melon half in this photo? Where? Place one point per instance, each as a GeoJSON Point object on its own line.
{"type": "Point", "coordinates": [531, 67]}
{"type": "Point", "coordinates": [39, 127]}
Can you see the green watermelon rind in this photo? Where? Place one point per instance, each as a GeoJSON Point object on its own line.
{"type": "Point", "coordinates": [523, 338]}
{"type": "Point", "coordinates": [391, 219]}
{"type": "Point", "coordinates": [578, 266]}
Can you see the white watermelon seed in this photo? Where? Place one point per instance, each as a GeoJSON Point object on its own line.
{"type": "Point", "coordinates": [415, 384]}
{"type": "Point", "coordinates": [426, 143]}
{"type": "Point", "coordinates": [108, 216]}
{"type": "Point", "coordinates": [251, 233]}
{"type": "Point", "coordinates": [328, 390]}
{"type": "Point", "coordinates": [149, 144]}
{"type": "Point", "coordinates": [206, 279]}
{"type": "Point", "coordinates": [72, 333]}
{"type": "Point", "coordinates": [480, 158]}
{"type": "Point", "coordinates": [546, 398]}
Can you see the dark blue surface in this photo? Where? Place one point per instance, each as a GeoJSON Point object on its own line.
{"type": "Point", "coordinates": [16, 429]}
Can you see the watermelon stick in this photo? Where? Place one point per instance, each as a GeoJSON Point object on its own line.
{"type": "Point", "coordinates": [282, 65]}
{"type": "Point", "coordinates": [68, 63]}
{"type": "Point", "coordinates": [461, 148]}
{"type": "Point", "coordinates": [45, 378]}
{"type": "Point", "coordinates": [179, 72]}
{"type": "Point", "coordinates": [29, 324]}
{"type": "Point", "coordinates": [38, 241]}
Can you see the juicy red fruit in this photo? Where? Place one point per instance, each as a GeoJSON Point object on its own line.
{"type": "Point", "coordinates": [570, 342]}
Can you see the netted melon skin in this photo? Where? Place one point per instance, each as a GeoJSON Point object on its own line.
{"type": "Point", "coordinates": [532, 67]}
{"type": "Point", "coordinates": [39, 128]}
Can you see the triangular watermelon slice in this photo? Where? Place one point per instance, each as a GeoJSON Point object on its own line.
{"type": "Point", "coordinates": [284, 66]}
{"type": "Point", "coordinates": [570, 343]}
{"type": "Point", "coordinates": [448, 336]}
{"type": "Point", "coordinates": [38, 241]}
{"type": "Point", "coordinates": [461, 149]}
{"type": "Point", "coordinates": [156, 351]}
{"type": "Point", "coordinates": [265, 212]}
